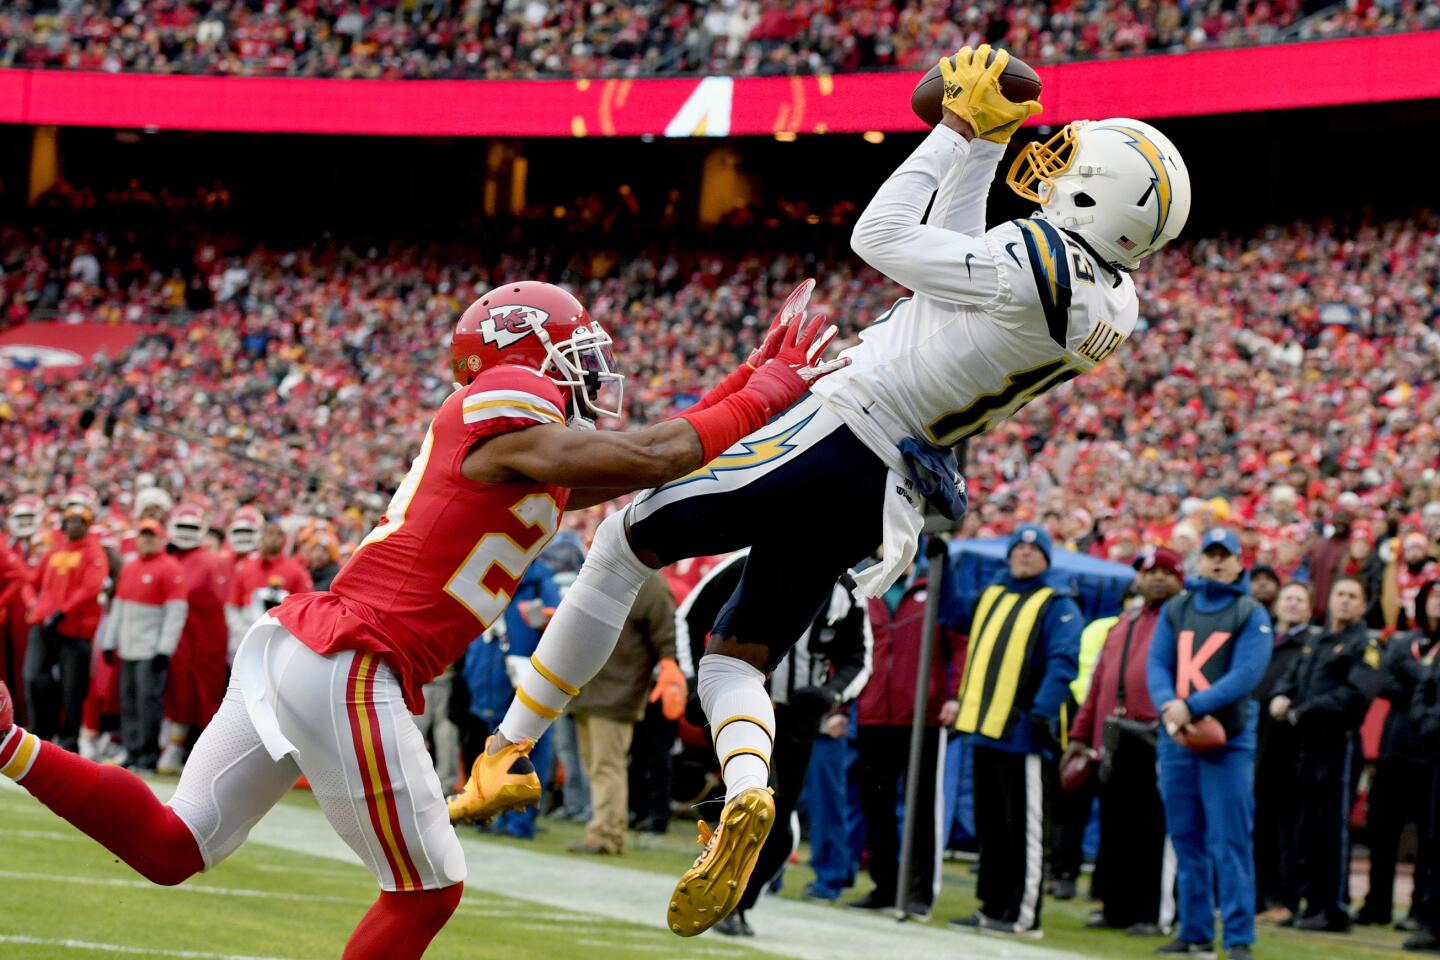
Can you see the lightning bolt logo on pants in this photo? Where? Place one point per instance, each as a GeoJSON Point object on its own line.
{"type": "Point", "coordinates": [751, 453]}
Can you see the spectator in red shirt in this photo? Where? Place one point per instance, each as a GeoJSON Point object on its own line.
{"type": "Point", "coordinates": [1132, 817]}
{"type": "Point", "coordinates": [143, 628]}
{"type": "Point", "coordinates": [66, 614]}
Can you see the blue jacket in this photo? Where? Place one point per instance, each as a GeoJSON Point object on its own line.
{"type": "Point", "coordinates": [1247, 663]}
{"type": "Point", "coordinates": [539, 581]}
{"type": "Point", "coordinates": [484, 671]}
{"type": "Point", "coordinates": [1056, 653]}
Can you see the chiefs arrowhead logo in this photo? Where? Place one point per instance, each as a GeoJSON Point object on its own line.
{"type": "Point", "coordinates": [508, 324]}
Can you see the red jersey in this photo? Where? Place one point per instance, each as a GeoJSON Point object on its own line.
{"type": "Point", "coordinates": [259, 584]}
{"type": "Point", "coordinates": [448, 555]}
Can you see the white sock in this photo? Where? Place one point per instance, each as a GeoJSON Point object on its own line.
{"type": "Point", "coordinates": [742, 721]}
{"type": "Point", "coordinates": [582, 634]}
{"type": "Point", "coordinates": [18, 750]}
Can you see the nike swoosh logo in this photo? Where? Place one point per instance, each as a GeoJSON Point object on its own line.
{"type": "Point", "coordinates": [1010, 249]}
{"type": "Point", "coordinates": [968, 258]}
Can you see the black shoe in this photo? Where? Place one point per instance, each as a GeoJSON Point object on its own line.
{"type": "Point", "coordinates": [1184, 948]}
{"type": "Point", "coordinates": [1064, 890]}
{"type": "Point", "coordinates": [1370, 918]}
{"type": "Point", "coordinates": [972, 922]}
{"type": "Point", "coordinates": [872, 901]}
{"type": "Point", "coordinates": [918, 910]}
{"type": "Point", "coordinates": [1424, 941]}
{"type": "Point", "coordinates": [1408, 925]}
{"type": "Point", "coordinates": [734, 926]}
{"type": "Point", "coordinates": [999, 928]}
{"type": "Point", "coordinates": [1323, 923]}
{"type": "Point", "coordinates": [1241, 951]}
{"type": "Point", "coordinates": [1145, 930]}
{"type": "Point", "coordinates": [652, 825]}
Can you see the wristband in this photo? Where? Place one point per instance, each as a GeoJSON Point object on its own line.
{"type": "Point", "coordinates": [722, 426]}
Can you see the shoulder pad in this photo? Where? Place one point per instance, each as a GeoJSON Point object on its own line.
{"type": "Point", "coordinates": [513, 391]}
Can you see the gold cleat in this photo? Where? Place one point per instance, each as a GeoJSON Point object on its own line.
{"type": "Point", "coordinates": [711, 888]}
{"type": "Point", "coordinates": [498, 782]}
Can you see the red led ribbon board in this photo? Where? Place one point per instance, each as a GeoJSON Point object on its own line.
{"type": "Point", "coordinates": [1285, 76]}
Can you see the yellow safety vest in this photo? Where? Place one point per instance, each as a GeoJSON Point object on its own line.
{"type": "Point", "coordinates": [1001, 637]}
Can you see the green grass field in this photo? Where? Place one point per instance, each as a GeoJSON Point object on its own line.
{"type": "Point", "coordinates": [61, 896]}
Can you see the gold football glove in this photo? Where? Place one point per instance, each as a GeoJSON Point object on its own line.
{"type": "Point", "coordinates": [972, 91]}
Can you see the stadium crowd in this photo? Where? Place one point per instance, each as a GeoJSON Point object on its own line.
{"type": "Point", "coordinates": [530, 38]}
{"type": "Point", "coordinates": [1281, 385]}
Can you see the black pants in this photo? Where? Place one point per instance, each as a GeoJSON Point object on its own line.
{"type": "Point", "coordinates": [1277, 831]}
{"type": "Point", "coordinates": [650, 768]}
{"type": "Point", "coordinates": [1400, 794]}
{"type": "Point", "coordinates": [1067, 834]}
{"type": "Point", "coordinates": [57, 677]}
{"type": "Point", "coordinates": [1010, 816]}
{"type": "Point", "coordinates": [1427, 892]}
{"type": "Point", "coordinates": [794, 739]}
{"type": "Point", "coordinates": [1132, 837]}
{"type": "Point", "coordinates": [1325, 800]}
{"type": "Point", "coordinates": [142, 694]}
{"type": "Point", "coordinates": [882, 756]}
{"type": "Point", "coordinates": [473, 734]}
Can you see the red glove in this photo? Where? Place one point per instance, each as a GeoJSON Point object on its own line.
{"type": "Point", "coordinates": [776, 385]}
{"type": "Point", "coordinates": [671, 690]}
{"type": "Point", "coordinates": [793, 307]}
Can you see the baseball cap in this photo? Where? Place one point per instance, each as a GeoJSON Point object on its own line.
{"type": "Point", "coordinates": [1221, 537]}
{"type": "Point", "coordinates": [1161, 558]}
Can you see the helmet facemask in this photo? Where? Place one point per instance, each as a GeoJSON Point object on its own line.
{"type": "Point", "coordinates": [22, 525]}
{"type": "Point", "coordinates": [244, 539]}
{"type": "Point", "coordinates": [585, 364]}
{"type": "Point", "coordinates": [1033, 173]}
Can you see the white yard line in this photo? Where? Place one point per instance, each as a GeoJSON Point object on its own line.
{"type": "Point", "coordinates": [785, 927]}
{"type": "Point", "coordinates": [802, 931]}
{"type": "Point", "coordinates": [112, 949]}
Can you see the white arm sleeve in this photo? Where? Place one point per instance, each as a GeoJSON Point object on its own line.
{"type": "Point", "coordinates": [928, 259]}
{"type": "Point", "coordinates": [965, 188]}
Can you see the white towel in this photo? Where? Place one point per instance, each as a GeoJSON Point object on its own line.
{"type": "Point", "coordinates": [902, 521]}
{"type": "Point", "coordinates": [251, 675]}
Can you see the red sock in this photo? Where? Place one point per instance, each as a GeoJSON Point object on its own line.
{"type": "Point", "coordinates": [113, 806]}
{"type": "Point", "coordinates": [399, 926]}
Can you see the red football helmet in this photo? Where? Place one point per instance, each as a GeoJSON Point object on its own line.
{"type": "Point", "coordinates": [187, 526]}
{"type": "Point", "coordinates": [543, 327]}
{"type": "Point", "coordinates": [245, 527]}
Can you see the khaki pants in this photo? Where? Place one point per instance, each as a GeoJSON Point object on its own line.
{"type": "Point", "coordinates": [605, 752]}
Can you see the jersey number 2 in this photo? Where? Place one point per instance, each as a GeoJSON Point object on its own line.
{"type": "Point", "coordinates": [488, 577]}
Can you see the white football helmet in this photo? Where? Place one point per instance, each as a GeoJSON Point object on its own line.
{"type": "Point", "coordinates": [1120, 184]}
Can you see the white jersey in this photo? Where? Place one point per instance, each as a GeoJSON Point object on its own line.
{"type": "Point", "coordinates": [997, 318]}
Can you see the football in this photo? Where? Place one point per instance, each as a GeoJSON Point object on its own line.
{"type": "Point", "coordinates": [1019, 83]}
